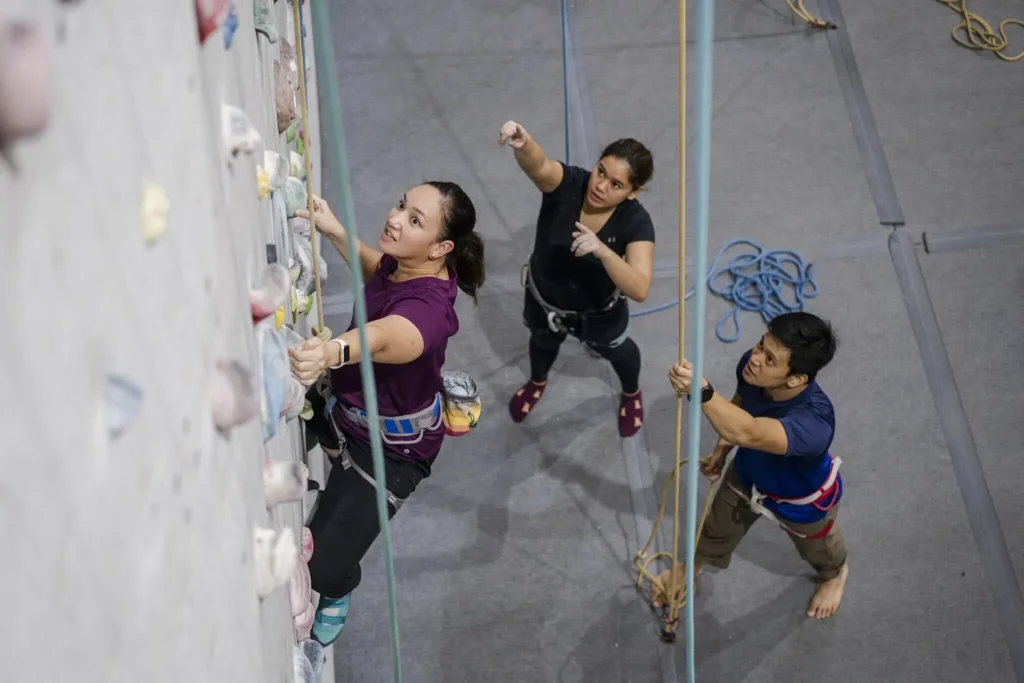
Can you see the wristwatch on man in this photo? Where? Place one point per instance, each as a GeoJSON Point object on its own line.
{"type": "Point", "coordinates": [705, 394]}
{"type": "Point", "coordinates": [345, 354]}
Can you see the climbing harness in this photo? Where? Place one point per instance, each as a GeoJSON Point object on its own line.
{"type": "Point", "coordinates": [979, 33]}
{"type": "Point", "coordinates": [462, 404]}
{"type": "Point", "coordinates": [823, 498]}
{"type": "Point", "coordinates": [569, 322]}
{"type": "Point", "coordinates": [404, 430]}
{"type": "Point", "coordinates": [348, 463]}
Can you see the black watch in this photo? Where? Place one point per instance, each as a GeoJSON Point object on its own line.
{"type": "Point", "coordinates": [705, 394]}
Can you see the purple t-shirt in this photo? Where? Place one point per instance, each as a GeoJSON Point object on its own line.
{"type": "Point", "coordinates": [429, 304]}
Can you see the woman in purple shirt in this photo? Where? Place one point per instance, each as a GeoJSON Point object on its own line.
{"type": "Point", "coordinates": [427, 249]}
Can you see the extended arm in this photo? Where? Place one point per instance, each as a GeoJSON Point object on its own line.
{"type": "Point", "coordinates": [545, 173]}
{"type": "Point", "coordinates": [633, 274]}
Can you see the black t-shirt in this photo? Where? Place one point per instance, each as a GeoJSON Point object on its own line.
{"type": "Point", "coordinates": [568, 281]}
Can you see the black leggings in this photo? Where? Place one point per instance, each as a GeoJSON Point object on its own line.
{"type": "Point", "coordinates": [604, 334]}
{"type": "Point", "coordinates": [345, 523]}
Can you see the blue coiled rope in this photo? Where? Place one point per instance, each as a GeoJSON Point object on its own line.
{"type": "Point", "coordinates": [757, 282]}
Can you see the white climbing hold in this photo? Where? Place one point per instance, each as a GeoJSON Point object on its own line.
{"type": "Point", "coordinates": [297, 164]}
{"type": "Point", "coordinates": [271, 292]}
{"type": "Point", "coordinates": [235, 397]}
{"type": "Point", "coordinates": [300, 226]}
{"type": "Point", "coordinates": [274, 558]}
{"type": "Point", "coordinates": [303, 668]}
{"type": "Point", "coordinates": [156, 208]}
{"type": "Point", "coordinates": [314, 652]}
{"type": "Point", "coordinates": [239, 134]}
{"type": "Point", "coordinates": [26, 82]}
{"type": "Point", "coordinates": [275, 372]}
{"type": "Point", "coordinates": [123, 398]}
{"type": "Point", "coordinates": [277, 169]}
{"type": "Point", "coordinates": [284, 482]}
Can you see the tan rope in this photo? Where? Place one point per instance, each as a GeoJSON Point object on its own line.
{"type": "Point", "coordinates": [319, 330]}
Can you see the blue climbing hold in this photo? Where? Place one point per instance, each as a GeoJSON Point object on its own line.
{"type": "Point", "coordinates": [230, 26]}
{"type": "Point", "coordinates": [755, 282]}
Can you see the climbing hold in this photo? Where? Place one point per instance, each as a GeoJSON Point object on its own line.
{"type": "Point", "coordinates": [284, 97]}
{"type": "Point", "coordinates": [289, 135]}
{"type": "Point", "coordinates": [294, 397]}
{"type": "Point", "coordinates": [238, 132]}
{"type": "Point", "coordinates": [26, 93]}
{"type": "Point", "coordinates": [123, 398]}
{"type": "Point", "coordinates": [275, 372]}
{"type": "Point", "coordinates": [277, 169]}
{"type": "Point", "coordinates": [305, 283]}
{"type": "Point", "coordinates": [263, 18]}
{"type": "Point", "coordinates": [302, 304]}
{"type": "Point", "coordinates": [210, 14]}
{"type": "Point", "coordinates": [302, 667]}
{"type": "Point", "coordinates": [155, 209]}
{"type": "Point", "coordinates": [279, 318]}
{"type": "Point", "coordinates": [274, 558]}
{"type": "Point", "coordinates": [462, 403]}
{"type": "Point", "coordinates": [235, 399]}
{"type": "Point", "coordinates": [304, 623]}
{"type": "Point", "coordinates": [262, 182]}
{"type": "Point", "coordinates": [230, 26]}
{"type": "Point", "coordinates": [297, 165]}
{"type": "Point", "coordinates": [271, 293]}
{"type": "Point", "coordinates": [284, 482]}
{"type": "Point", "coordinates": [299, 226]}
{"type": "Point", "coordinates": [314, 652]}
{"type": "Point", "coordinates": [299, 589]}
{"type": "Point", "coordinates": [294, 195]}
{"type": "Point", "coordinates": [300, 149]}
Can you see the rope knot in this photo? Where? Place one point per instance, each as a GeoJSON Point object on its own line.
{"type": "Point", "coordinates": [323, 333]}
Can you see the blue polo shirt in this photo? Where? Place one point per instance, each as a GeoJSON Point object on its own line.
{"type": "Point", "coordinates": [810, 424]}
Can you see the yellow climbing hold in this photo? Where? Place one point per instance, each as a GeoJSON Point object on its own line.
{"type": "Point", "coordinates": [279, 318]}
{"type": "Point", "coordinates": [262, 182]}
{"type": "Point", "coordinates": [155, 207]}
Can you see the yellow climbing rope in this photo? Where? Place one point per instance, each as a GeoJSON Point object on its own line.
{"type": "Point", "coordinates": [798, 9]}
{"type": "Point", "coordinates": [319, 330]}
{"type": "Point", "coordinates": [978, 34]}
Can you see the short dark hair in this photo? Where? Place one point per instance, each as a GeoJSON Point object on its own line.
{"type": "Point", "coordinates": [811, 341]}
{"type": "Point", "coordinates": [634, 153]}
{"type": "Point", "coordinates": [458, 224]}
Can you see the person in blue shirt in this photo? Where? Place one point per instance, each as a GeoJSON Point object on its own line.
{"type": "Point", "coordinates": [781, 424]}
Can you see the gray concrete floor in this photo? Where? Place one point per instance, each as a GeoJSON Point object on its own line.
{"type": "Point", "coordinates": [513, 559]}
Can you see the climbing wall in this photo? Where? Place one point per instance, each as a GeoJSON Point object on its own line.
{"type": "Point", "coordinates": [135, 231]}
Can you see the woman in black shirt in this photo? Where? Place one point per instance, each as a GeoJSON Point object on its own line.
{"type": "Point", "coordinates": [594, 248]}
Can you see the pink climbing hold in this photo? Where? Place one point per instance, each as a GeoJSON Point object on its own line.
{"type": "Point", "coordinates": [210, 15]}
{"type": "Point", "coordinates": [26, 94]}
{"type": "Point", "coordinates": [234, 394]}
{"type": "Point", "coordinates": [304, 623]}
{"type": "Point", "coordinates": [271, 292]}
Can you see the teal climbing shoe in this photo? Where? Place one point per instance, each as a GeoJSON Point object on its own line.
{"type": "Point", "coordinates": [330, 619]}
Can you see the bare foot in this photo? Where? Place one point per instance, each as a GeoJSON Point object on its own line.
{"type": "Point", "coordinates": [660, 587]}
{"type": "Point", "coordinates": [825, 601]}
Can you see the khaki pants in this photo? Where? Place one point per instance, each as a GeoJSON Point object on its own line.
{"type": "Point", "coordinates": [730, 518]}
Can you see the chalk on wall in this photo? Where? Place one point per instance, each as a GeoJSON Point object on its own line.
{"type": "Point", "coordinates": [26, 82]}
{"type": "Point", "coordinates": [123, 398]}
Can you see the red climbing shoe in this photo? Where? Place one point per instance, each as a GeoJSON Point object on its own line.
{"type": "Point", "coordinates": [631, 414]}
{"type": "Point", "coordinates": [525, 399]}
